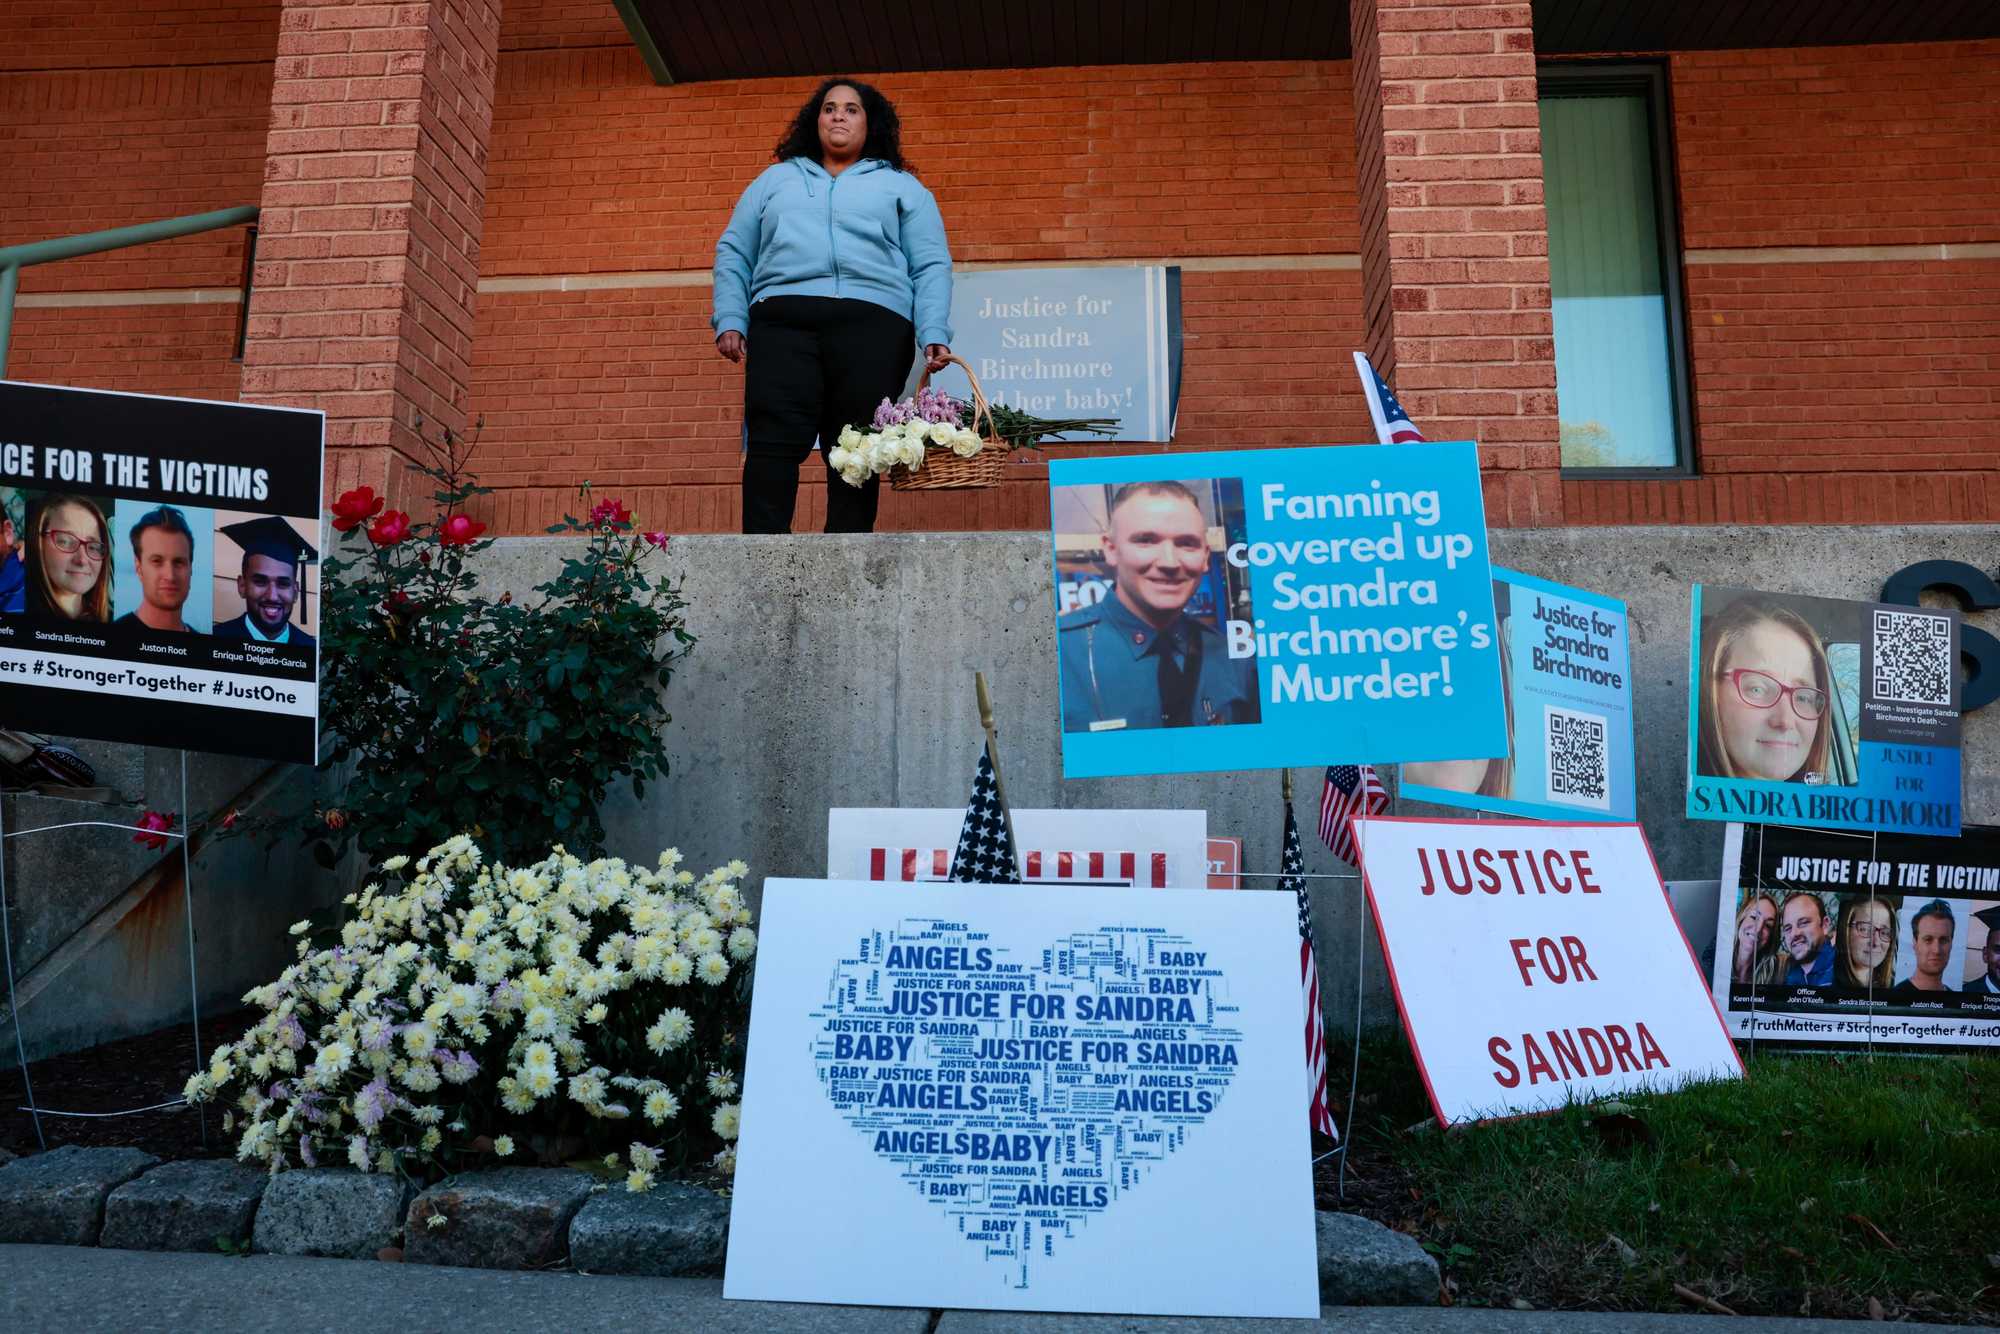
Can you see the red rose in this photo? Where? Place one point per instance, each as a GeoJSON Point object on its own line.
{"type": "Point", "coordinates": [336, 818]}
{"type": "Point", "coordinates": [355, 508]}
{"type": "Point", "coordinates": [610, 511]}
{"type": "Point", "coordinates": [153, 826]}
{"type": "Point", "coordinates": [459, 529]}
{"type": "Point", "coordinates": [390, 529]}
{"type": "Point", "coordinates": [657, 539]}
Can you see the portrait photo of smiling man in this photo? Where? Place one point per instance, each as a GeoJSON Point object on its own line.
{"type": "Point", "coordinates": [163, 579]}
{"type": "Point", "coordinates": [1145, 645]}
{"type": "Point", "coordinates": [271, 581]}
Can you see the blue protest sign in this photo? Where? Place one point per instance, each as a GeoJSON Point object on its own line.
{"type": "Point", "coordinates": [1567, 663]}
{"type": "Point", "coordinates": [1075, 342]}
{"type": "Point", "coordinates": [1270, 607]}
{"type": "Point", "coordinates": [1819, 711]}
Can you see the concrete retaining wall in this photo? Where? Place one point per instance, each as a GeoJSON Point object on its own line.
{"type": "Point", "coordinates": [838, 671]}
{"type": "Point", "coordinates": [99, 923]}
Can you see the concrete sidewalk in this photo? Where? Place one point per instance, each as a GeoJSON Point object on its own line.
{"type": "Point", "coordinates": [63, 1288]}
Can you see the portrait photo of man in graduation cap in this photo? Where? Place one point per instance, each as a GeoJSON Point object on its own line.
{"type": "Point", "coordinates": [270, 581]}
{"type": "Point", "coordinates": [1983, 967]}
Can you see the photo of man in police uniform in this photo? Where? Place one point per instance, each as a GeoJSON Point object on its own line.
{"type": "Point", "coordinates": [1137, 657]}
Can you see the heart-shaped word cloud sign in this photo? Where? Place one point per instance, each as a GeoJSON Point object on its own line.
{"type": "Point", "coordinates": [1025, 1093]}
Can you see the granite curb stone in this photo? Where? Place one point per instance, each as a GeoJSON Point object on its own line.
{"type": "Point", "coordinates": [672, 1231]}
{"type": "Point", "coordinates": [58, 1197]}
{"type": "Point", "coordinates": [503, 1218]}
{"type": "Point", "coordinates": [185, 1206]}
{"type": "Point", "coordinates": [1362, 1263]}
{"type": "Point", "coordinates": [330, 1211]}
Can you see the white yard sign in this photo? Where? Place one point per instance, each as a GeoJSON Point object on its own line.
{"type": "Point", "coordinates": [1024, 1098]}
{"type": "Point", "coordinates": [1537, 964]}
{"type": "Point", "coordinates": [1144, 849]}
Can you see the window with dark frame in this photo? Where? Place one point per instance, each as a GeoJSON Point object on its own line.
{"type": "Point", "coordinates": [1615, 271]}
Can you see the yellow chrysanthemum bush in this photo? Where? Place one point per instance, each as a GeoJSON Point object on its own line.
{"type": "Point", "coordinates": [473, 1013]}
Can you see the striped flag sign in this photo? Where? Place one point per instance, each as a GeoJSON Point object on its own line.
{"type": "Point", "coordinates": [1293, 869]}
{"type": "Point", "coordinates": [1144, 870]}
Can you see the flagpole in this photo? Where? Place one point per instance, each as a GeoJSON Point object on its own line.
{"type": "Point", "coordinates": [993, 758]}
{"type": "Point", "coordinates": [1288, 787]}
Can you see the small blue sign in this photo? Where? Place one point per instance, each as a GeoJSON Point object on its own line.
{"type": "Point", "coordinates": [1567, 664]}
{"type": "Point", "coordinates": [1819, 711]}
{"type": "Point", "coordinates": [1353, 622]}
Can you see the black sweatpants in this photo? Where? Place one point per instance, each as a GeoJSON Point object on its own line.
{"type": "Point", "coordinates": [815, 364]}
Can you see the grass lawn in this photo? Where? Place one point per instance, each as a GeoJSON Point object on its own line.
{"type": "Point", "coordinates": [1818, 1184]}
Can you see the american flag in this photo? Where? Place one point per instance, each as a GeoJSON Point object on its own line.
{"type": "Point", "coordinates": [1349, 789]}
{"type": "Point", "coordinates": [1392, 425]}
{"type": "Point", "coordinates": [985, 853]}
{"type": "Point", "coordinates": [1293, 878]}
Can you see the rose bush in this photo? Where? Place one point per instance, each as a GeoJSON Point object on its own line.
{"type": "Point", "coordinates": [473, 1012]}
{"type": "Point", "coordinates": [465, 710]}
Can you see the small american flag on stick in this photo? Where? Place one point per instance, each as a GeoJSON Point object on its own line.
{"type": "Point", "coordinates": [1293, 868]}
{"type": "Point", "coordinates": [1392, 425]}
{"type": "Point", "coordinates": [1350, 789]}
{"type": "Point", "coordinates": [985, 854]}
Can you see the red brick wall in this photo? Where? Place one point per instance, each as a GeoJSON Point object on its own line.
{"type": "Point", "coordinates": [1456, 251]}
{"type": "Point", "coordinates": [153, 34]}
{"type": "Point", "coordinates": [179, 350]}
{"type": "Point", "coordinates": [373, 204]}
{"type": "Point", "coordinates": [1846, 145]}
{"type": "Point", "coordinates": [82, 151]}
{"type": "Point", "coordinates": [109, 118]}
{"type": "Point", "coordinates": [1835, 390]}
{"type": "Point", "coordinates": [1846, 391]}
{"type": "Point", "coordinates": [596, 170]}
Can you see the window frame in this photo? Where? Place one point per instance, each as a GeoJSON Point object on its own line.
{"type": "Point", "coordinates": [1649, 80]}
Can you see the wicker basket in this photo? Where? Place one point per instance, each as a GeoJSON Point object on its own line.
{"type": "Point", "coordinates": [946, 471]}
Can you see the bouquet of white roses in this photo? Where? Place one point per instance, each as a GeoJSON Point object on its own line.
{"type": "Point", "coordinates": [901, 432]}
{"type": "Point", "coordinates": [478, 1011]}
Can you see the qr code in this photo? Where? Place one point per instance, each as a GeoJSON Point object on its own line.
{"type": "Point", "coordinates": [1579, 767]}
{"type": "Point", "coordinates": [1912, 658]}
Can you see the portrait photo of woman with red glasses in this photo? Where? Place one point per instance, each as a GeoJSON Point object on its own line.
{"type": "Point", "coordinates": [69, 563]}
{"type": "Point", "coordinates": [1766, 696]}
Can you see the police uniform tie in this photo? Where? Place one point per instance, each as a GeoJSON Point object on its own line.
{"type": "Point", "coordinates": [1180, 673]}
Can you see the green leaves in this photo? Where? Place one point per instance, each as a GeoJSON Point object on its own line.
{"type": "Point", "coordinates": [460, 708]}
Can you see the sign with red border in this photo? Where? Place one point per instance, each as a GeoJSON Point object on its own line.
{"type": "Point", "coordinates": [1537, 964]}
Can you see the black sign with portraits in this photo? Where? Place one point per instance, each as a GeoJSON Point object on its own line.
{"type": "Point", "coordinates": [1832, 936]}
{"type": "Point", "coordinates": [159, 570]}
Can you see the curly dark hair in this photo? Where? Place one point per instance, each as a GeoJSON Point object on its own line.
{"type": "Point", "coordinates": [885, 128]}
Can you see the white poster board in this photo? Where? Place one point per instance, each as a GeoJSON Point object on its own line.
{"type": "Point", "coordinates": [1537, 964]}
{"type": "Point", "coordinates": [1144, 849]}
{"type": "Point", "coordinates": [1023, 1098]}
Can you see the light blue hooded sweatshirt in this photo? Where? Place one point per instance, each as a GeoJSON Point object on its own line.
{"type": "Point", "coordinates": [871, 233]}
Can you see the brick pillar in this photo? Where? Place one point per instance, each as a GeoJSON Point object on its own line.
{"type": "Point", "coordinates": [1454, 238]}
{"type": "Point", "coordinates": [368, 245]}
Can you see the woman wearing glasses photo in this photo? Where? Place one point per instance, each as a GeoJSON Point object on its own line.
{"type": "Point", "coordinates": [1865, 950]}
{"type": "Point", "coordinates": [1765, 691]}
{"type": "Point", "coordinates": [69, 560]}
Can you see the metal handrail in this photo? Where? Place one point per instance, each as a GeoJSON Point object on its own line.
{"type": "Point", "coordinates": [14, 258]}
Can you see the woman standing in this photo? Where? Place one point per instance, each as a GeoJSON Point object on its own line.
{"type": "Point", "coordinates": [833, 265]}
{"type": "Point", "coordinates": [69, 560]}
